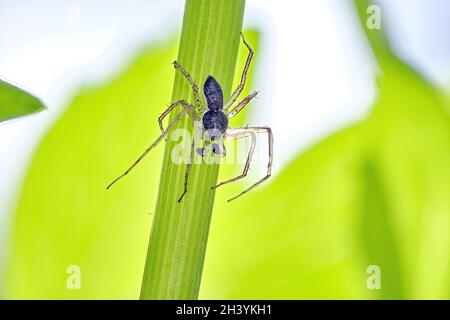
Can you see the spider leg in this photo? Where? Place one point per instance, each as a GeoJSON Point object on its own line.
{"type": "Point", "coordinates": [239, 133]}
{"type": "Point", "coordinates": [188, 170]}
{"type": "Point", "coordinates": [241, 85]}
{"type": "Point", "coordinates": [194, 86]}
{"type": "Point", "coordinates": [268, 131]}
{"type": "Point", "coordinates": [241, 105]}
{"type": "Point", "coordinates": [155, 143]}
{"type": "Point", "coordinates": [172, 106]}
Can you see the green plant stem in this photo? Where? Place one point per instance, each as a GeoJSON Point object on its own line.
{"type": "Point", "coordinates": [209, 46]}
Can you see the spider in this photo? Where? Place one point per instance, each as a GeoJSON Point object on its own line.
{"type": "Point", "coordinates": [215, 124]}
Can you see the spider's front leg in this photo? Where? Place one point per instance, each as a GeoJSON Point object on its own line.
{"type": "Point", "coordinates": [241, 85]}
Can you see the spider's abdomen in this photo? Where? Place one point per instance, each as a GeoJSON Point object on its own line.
{"type": "Point", "coordinates": [215, 122]}
{"type": "Point", "coordinates": [213, 94]}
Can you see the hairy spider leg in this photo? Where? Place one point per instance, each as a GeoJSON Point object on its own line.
{"type": "Point", "coordinates": [188, 170]}
{"type": "Point", "coordinates": [155, 143]}
{"type": "Point", "coordinates": [241, 105]}
{"type": "Point", "coordinates": [268, 131]}
{"type": "Point", "coordinates": [241, 85]}
{"type": "Point", "coordinates": [194, 86]}
{"type": "Point", "coordinates": [172, 106]}
{"type": "Point", "coordinates": [239, 133]}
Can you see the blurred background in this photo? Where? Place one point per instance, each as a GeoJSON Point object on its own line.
{"type": "Point", "coordinates": [362, 151]}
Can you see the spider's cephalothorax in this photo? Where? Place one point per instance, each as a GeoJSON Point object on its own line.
{"type": "Point", "coordinates": [215, 124]}
{"type": "Point", "coordinates": [214, 121]}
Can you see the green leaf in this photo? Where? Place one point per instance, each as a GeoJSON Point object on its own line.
{"type": "Point", "coordinates": [290, 239]}
{"type": "Point", "coordinates": [409, 143]}
{"type": "Point", "coordinates": [15, 102]}
{"type": "Point", "coordinates": [66, 217]}
{"type": "Point", "coordinates": [373, 194]}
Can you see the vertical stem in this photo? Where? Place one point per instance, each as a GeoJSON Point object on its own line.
{"type": "Point", "coordinates": [209, 46]}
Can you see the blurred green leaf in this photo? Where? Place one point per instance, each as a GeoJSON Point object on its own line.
{"type": "Point", "coordinates": [66, 217]}
{"type": "Point", "coordinates": [293, 238]}
{"type": "Point", "coordinates": [373, 194]}
{"type": "Point", "coordinates": [15, 102]}
{"type": "Point", "coordinates": [409, 143]}
{"type": "Point", "coordinates": [377, 233]}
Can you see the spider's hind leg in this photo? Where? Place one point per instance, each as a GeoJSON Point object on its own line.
{"type": "Point", "coordinates": [238, 134]}
{"type": "Point", "coordinates": [268, 131]}
{"type": "Point", "coordinates": [188, 170]}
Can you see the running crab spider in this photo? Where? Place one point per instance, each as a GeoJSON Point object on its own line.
{"type": "Point", "coordinates": [215, 124]}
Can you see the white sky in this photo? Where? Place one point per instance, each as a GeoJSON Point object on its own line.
{"type": "Point", "coordinates": [313, 63]}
